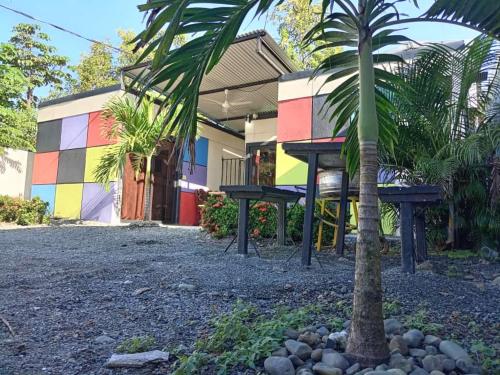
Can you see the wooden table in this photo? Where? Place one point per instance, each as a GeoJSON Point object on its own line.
{"type": "Point", "coordinates": [246, 193]}
{"type": "Point", "coordinates": [326, 155]}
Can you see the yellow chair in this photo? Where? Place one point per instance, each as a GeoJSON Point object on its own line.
{"type": "Point", "coordinates": [331, 219]}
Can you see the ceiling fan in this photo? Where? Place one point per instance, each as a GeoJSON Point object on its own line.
{"type": "Point", "coordinates": [226, 104]}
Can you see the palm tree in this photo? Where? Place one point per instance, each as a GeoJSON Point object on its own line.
{"type": "Point", "coordinates": [362, 27]}
{"type": "Point", "coordinates": [139, 130]}
{"type": "Point", "coordinates": [448, 128]}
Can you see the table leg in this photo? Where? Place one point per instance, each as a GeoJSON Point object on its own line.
{"type": "Point", "coordinates": [243, 227]}
{"type": "Point", "coordinates": [421, 244]}
{"type": "Point", "coordinates": [407, 257]}
{"type": "Point", "coordinates": [281, 230]}
{"type": "Point", "coordinates": [312, 169]}
{"type": "Point", "coordinates": [339, 246]}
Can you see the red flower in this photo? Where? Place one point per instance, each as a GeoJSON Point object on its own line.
{"type": "Point", "coordinates": [256, 232]}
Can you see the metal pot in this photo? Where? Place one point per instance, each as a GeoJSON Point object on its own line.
{"type": "Point", "coordinates": [330, 183]}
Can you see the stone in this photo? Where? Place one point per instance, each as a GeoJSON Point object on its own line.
{"type": "Point", "coordinates": [365, 371]}
{"type": "Point", "coordinates": [454, 351]}
{"type": "Point", "coordinates": [316, 355]}
{"type": "Point", "coordinates": [291, 333]}
{"type": "Point", "coordinates": [396, 371]}
{"type": "Point", "coordinates": [449, 364]}
{"type": "Point", "coordinates": [431, 363]}
{"type": "Point", "coordinates": [322, 369]}
{"type": "Point", "coordinates": [436, 372]}
{"type": "Point", "coordinates": [496, 281]}
{"type": "Point", "coordinates": [400, 362]}
{"type": "Point", "coordinates": [353, 369]}
{"type": "Point", "coordinates": [310, 338]}
{"type": "Point", "coordinates": [137, 359]}
{"type": "Point", "coordinates": [279, 366]}
{"type": "Point", "coordinates": [375, 372]}
{"type": "Point", "coordinates": [419, 353]}
{"type": "Point", "coordinates": [432, 340]}
{"type": "Point", "coordinates": [104, 340]}
{"type": "Point", "coordinates": [322, 331]}
{"type": "Point", "coordinates": [382, 367]}
{"type": "Point", "coordinates": [186, 287]}
{"type": "Point", "coordinates": [337, 340]}
{"type": "Point", "coordinates": [303, 371]}
{"type": "Point", "coordinates": [140, 291]}
{"type": "Point", "coordinates": [392, 326]}
{"type": "Point", "coordinates": [300, 349]}
{"type": "Point", "coordinates": [397, 342]}
{"type": "Point", "coordinates": [297, 362]}
{"type": "Point", "coordinates": [419, 371]}
{"type": "Point", "coordinates": [281, 352]}
{"type": "Point", "coordinates": [425, 266]}
{"type": "Point", "coordinates": [488, 253]}
{"type": "Point", "coordinates": [429, 349]}
{"type": "Point", "coordinates": [335, 360]}
{"type": "Point", "coordinates": [414, 338]}
{"type": "Point", "coordinates": [347, 324]}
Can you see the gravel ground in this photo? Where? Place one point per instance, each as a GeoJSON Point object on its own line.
{"type": "Point", "coordinates": [62, 287]}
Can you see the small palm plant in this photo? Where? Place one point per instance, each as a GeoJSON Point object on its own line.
{"type": "Point", "coordinates": [139, 130]}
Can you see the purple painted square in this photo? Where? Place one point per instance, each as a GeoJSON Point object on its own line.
{"type": "Point", "coordinates": [197, 179]}
{"type": "Point", "coordinates": [74, 132]}
{"type": "Point", "coordinates": [97, 202]}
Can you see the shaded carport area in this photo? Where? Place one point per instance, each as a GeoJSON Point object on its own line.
{"type": "Point", "coordinates": [247, 75]}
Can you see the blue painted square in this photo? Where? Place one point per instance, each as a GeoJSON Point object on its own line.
{"type": "Point", "coordinates": [46, 193]}
{"type": "Point", "coordinates": [201, 152]}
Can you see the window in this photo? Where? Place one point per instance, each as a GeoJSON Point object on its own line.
{"type": "Point", "coordinates": [261, 164]}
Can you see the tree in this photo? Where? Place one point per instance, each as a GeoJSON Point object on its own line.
{"type": "Point", "coordinates": [139, 131]}
{"type": "Point", "coordinates": [448, 129]}
{"type": "Point", "coordinates": [362, 27]}
{"type": "Point", "coordinates": [294, 19]}
{"type": "Point", "coordinates": [36, 59]}
{"type": "Point", "coordinates": [95, 69]}
{"type": "Point", "coordinates": [17, 123]}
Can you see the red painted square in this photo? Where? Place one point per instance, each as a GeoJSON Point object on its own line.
{"type": "Point", "coordinates": [295, 120]}
{"type": "Point", "coordinates": [45, 168]}
{"type": "Point", "coordinates": [322, 140]}
{"type": "Point", "coordinates": [189, 213]}
{"type": "Point", "coordinates": [97, 130]}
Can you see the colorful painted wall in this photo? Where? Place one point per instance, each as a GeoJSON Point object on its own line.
{"type": "Point", "coordinates": [210, 148]}
{"type": "Point", "coordinates": [67, 152]}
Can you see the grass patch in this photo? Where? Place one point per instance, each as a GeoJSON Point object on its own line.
{"type": "Point", "coordinates": [243, 337]}
{"type": "Point", "coordinates": [461, 254]}
{"type": "Point", "coordinates": [420, 320]}
{"type": "Point", "coordinates": [486, 355]}
{"type": "Point", "coordinates": [137, 344]}
{"type": "Point", "coordinates": [391, 308]}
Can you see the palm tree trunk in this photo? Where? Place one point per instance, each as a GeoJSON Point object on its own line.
{"type": "Point", "coordinates": [148, 186]}
{"type": "Point", "coordinates": [367, 343]}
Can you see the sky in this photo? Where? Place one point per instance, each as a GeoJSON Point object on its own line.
{"type": "Point", "coordinates": [100, 20]}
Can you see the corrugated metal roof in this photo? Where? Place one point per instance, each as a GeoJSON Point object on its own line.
{"type": "Point", "coordinates": [250, 70]}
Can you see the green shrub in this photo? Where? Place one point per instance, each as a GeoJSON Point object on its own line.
{"type": "Point", "coordinates": [243, 337]}
{"type": "Point", "coordinates": [137, 344]}
{"type": "Point", "coordinates": [21, 211]}
{"type": "Point", "coordinates": [219, 216]}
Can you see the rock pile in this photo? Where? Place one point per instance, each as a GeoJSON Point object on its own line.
{"type": "Point", "coordinates": [317, 351]}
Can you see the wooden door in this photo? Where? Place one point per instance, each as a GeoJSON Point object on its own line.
{"type": "Point", "coordinates": [133, 193]}
{"type": "Point", "coordinates": [163, 175]}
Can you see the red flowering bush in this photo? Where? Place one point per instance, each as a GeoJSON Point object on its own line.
{"type": "Point", "coordinates": [219, 216]}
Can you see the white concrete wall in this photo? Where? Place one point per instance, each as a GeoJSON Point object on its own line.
{"type": "Point", "coordinates": [220, 145]}
{"type": "Point", "coordinates": [76, 107]}
{"type": "Point", "coordinates": [15, 173]}
{"type": "Point", "coordinates": [304, 87]}
{"type": "Point", "coordinates": [260, 131]}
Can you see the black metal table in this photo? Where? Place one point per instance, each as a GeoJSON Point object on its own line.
{"type": "Point", "coordinates": [327, 156]}
{"type": "Point", "coordinates": [246, 193]}
{"type": "Point", "coordinates": [410, 198]}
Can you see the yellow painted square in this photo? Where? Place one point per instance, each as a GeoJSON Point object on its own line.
{"type": "Point", "coordinates": [92, 159]}
{"type": "Point", "coordinates": [289, 170]}
{"type": "Point", "coordinates": [68, 201]}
